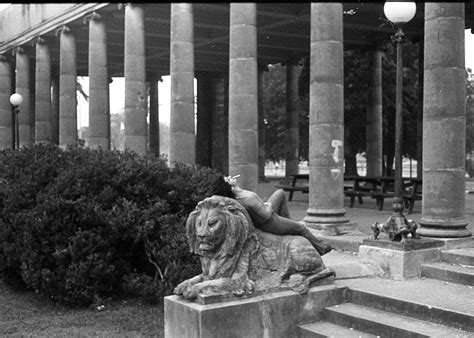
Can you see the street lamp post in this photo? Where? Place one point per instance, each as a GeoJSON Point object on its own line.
{"type": "Point", "coordinates": [16, 100]}
{"type": "Point", "coordinates": [399, 13]}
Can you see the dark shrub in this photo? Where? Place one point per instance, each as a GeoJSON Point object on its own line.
{"type": "Point", "coordinates": [81, 224]}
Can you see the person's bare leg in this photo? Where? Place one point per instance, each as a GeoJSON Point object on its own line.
{"type": "Point", "coordinates": [285, 226]}
{"type": "Point", "coordinates": [279, 203]}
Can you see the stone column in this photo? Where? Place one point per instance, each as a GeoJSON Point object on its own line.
{"type": "Point", "coordinates": [32, 100]}
{"type": "Point", "coordinates": [154, 126]}
{"type": "Point", "coordinates": [182, 135]}
{"type": "Point", "coordinates": [220, 125]}
{"type": "Point", "coordinates": [419, 116]}
{"type": "Point", "coordinates": [55, 108]}
{"type": "Point", "coordinates": [204, 119]}
{"type": "Point", "coordinates": [43, 116]}
{"type": "Point", "coordinates": [326, 122]}
{"type": "Point", "coordinates": [261, 125]}
{"type": "Point", "coordinates": [99, 109]}
{"type": "Point", "coordinates": [243, 94]}
{"type": "Point", "coordinates": [292, 130]}
{"type": "Point", "coordinates": [374, 127]}
{"type": "Point", "coordinates": [22, 84]}
{"type": "Point", "coordinates": [6, 113]}
{"type": "Point", "coordinates": [67, 89]}
{"type": "Point", "coordinates": [444, 123]}
{"type": "Point", "coordinates": [135, 85]}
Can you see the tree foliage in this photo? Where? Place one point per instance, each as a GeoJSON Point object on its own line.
{"type": "Point", "coordinates": [274, 103]}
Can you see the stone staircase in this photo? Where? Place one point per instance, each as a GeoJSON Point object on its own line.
{"type": "Point", "coordinates": [440, 303]}
{"type": "Point", "coordinates": [456, 266]}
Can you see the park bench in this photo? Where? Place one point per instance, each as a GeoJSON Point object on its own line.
{"type": "Point", "coordinates": [362, 186]}
{"type": "Point", "coordinates": [376, 187]}
{"type": "Point", "coordinates": [411, 191]}
{"type": "Point", "coordinates": [290, 184]}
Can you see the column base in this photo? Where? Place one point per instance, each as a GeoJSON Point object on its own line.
{"type": "Point", "coordinates": [328, 222]}
{"type": "Point", "coordinates": [453, 229]}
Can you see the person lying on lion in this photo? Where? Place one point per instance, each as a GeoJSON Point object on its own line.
{"type": "Point", "coordinates": [272, 216]}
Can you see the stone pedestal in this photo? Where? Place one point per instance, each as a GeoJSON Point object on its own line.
{"type": "Point", "coordinates": [275, 314]}
{"type": "Point", "coordinates": [397, 260]}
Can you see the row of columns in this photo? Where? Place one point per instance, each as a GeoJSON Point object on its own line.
{"type": "Point", "coordinates": [239, 96]}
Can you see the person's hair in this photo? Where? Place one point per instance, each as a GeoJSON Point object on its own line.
{"type": "Point", "coordinates": [222, 188]}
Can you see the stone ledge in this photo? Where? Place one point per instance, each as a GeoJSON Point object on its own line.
{"type": "Point", "coordinates": [410, 245]}
{"type": "Point", "coordinates": [275, 314]}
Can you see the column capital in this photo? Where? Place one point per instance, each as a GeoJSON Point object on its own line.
{"type": "Point", "coordinates": [4, 57]}
{"type": "Point", "coordinates": [18, 50]}
{"type": "Point", "coordinates": [122, 5]}
{"type": "Point", "coordinates": [95, 17]}
{"type": "Point", "coordinates": [63, 29]}
{"type": "Point", "coordinates": [39, 41]}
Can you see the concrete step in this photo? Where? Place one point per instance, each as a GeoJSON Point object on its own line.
{"type": "Point", "coordinates": [328, 329]}
{"type": "Point", "coordinates": [413, 309]}
{"type": "Point", "coordinates": [459, 256]}
{"type": "Point", "coordinates": [422, 298]}
{"type": "Point", "coordinates": [458, 274]}
{"type": "Point", "coordinates": [386, 324]}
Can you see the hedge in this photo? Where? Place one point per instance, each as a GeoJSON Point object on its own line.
{"type": "Point", "coordinates": [80, 225]}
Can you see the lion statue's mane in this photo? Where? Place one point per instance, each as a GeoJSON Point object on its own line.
{"type": "Point", "coordinates": [240, 240]}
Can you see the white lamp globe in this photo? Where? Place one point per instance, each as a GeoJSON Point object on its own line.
{"type": "Point", "coordinates": [16, 99]}
{"type": "Point", "coordinates": [399, 12]}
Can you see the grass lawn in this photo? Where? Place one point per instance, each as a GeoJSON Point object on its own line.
{"type": "Point", "coordinates": [24, 313]}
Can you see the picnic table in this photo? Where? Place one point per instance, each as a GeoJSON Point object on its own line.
{"type": "Point", "coordinates": [293, 185]}
{"type": "Point", "coordinates": [381, 187]}
{"type": "Point", "coordinates": [377, 187]}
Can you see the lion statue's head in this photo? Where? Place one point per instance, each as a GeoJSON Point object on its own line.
{"type": "Point", "coordinates": [217, 231]}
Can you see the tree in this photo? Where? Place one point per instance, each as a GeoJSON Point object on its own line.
{"type": "Point", "coordinates": [274, 103]}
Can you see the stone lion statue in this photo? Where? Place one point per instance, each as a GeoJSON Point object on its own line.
{"type": "Point", "coordinates": [239, 259]}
